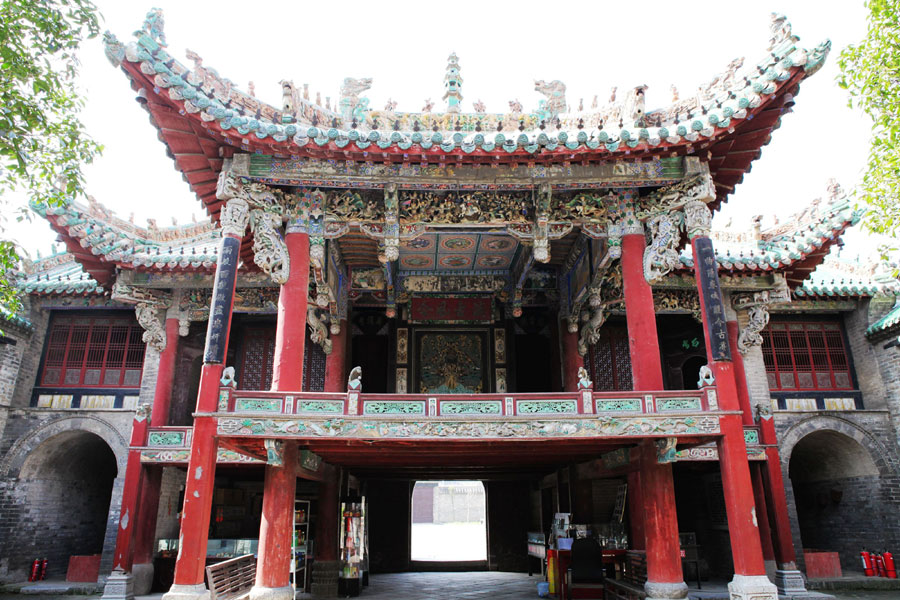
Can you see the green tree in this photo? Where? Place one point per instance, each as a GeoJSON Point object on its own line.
{"type": "Point", "coordinates": [870, 72]}
{"type": "Point", "coordinates": [43, 144]}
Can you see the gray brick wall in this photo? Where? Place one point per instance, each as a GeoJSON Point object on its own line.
{"type": "Point", "coordinates": [31, 354]}
{"type": "Point", "coordinates": [865, 362]}
{"type": "Point", "coordinates": [843, 514]}
{"type": "Point", "coordinates": [172, 483]}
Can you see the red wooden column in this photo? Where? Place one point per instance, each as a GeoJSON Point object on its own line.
{"type": "Point", "coordinates": [276, 528]}
{"type": "Point", "coordinates": [643, 341]}
{"type": "Point", "coordinates": [750, 572]}
{"type": "Point", "coordinates": [762, 516]}
{"type": "Point", "coordinates": [276, 524]}
{"type": "Point", "coordinates": [740, 374]}
{"type": "Point", "coordinates": [124, 553]}
{"type": "Point", "coordinates": [635, 499]}
{"type": "Point", "coordinates": [199, 485]}
{"type": "Point", "coordinates": [290, 333]}
{"type": "Point", "coordinates": [572, 360]}
{"type": "Point", "coordinates": [660, 521]}
{"type": "Point", "coordinates": [336, 362]}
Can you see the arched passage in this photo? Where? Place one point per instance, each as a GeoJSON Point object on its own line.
{"type": "Point", "coordinates": [64, 489]}
{"type": "Point", "coordinates": [836, 483]}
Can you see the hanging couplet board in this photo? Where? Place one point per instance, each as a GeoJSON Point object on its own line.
{"type": "Point", "coordinates": [713, 306]}
{"type": "Point", "coordinates": [440, 309]}
{"type": "Point", "coordinates": [222, 298]}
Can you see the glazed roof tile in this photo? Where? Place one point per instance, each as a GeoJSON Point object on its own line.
{"type": "Point", "coordinates": [796, 247]}
{"type": "Point", "coordinates": [101, 241]}
{"type": "Point", "coordinates": [59, 273]}
{"type": "Point", "coordinates": [15, 319]}
{"type": "Point", "coordinates": [202, 117]}
{"type": "Point", "coordinates": [886, 325]}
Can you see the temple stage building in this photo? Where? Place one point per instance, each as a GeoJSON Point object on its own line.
{"type": "Point", "coordinates": [531, 301]}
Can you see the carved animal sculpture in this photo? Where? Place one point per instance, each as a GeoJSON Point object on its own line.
{"type": "Point", "coordinates": [351, 89]}
{"type": "Point", "coordinates": [555, 92]}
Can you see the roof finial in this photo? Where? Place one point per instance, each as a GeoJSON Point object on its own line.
{"type": "Point", "coordinates": [153, 26]}
{"type": "Point", "coordinates": [452, 84]}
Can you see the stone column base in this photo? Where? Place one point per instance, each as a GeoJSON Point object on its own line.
{"type": "Point", "coordinates": [790, 582]}
{"type": "Point", "coordinates": [258, 592]}
{"type": "Point", "coordinates": [119, 586]}
{"type": "Point", "coordinates": [665, 591]}
{"type": "Point", "coordinates": [187, 592]}
{"type": "Point", "coordinates": [325, 578]}
{"type": "Point", "coordinates": [143, 578]}
{"type": "Point", "coordinates": [752, 587]}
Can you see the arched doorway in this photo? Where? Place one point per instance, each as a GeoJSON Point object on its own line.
{"type": "Point", "coordinates": [835, 481]}
{"type": "Point", "coordinates": [65, 485]}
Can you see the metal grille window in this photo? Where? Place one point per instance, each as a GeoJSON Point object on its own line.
{"type": "Point", "coordinates": [609, 360]}
{"type": "Point", "coordinates": [806, 356]}
{"type": "Point", "coordinates": [93, 352]}
{"type": "Point", "coordinates": [257, 360]}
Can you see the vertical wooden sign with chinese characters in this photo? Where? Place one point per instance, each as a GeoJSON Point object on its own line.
{"type": "Point", "coordinates": [713, 305]}
{"type": "Point", "coordinates": [222, 298]}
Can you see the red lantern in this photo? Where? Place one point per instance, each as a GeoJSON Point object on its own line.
{"type": "Point", "coordinates": [868, 567]}
{"type": "Point", "coordinates": [889, 566]}
{"type": "Point", "coordinates": [35, 570]}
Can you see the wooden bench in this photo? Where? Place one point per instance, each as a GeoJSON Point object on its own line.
{"type": "Point", "coordinates": [232, 579]}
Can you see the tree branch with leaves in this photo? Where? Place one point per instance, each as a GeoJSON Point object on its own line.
{"type": "Point", "coordinates": [870, 72]}
{"type": "Point", "coordinates": [43, 143]}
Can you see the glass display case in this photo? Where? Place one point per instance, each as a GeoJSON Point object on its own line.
{"type": "Point", "coordinates": [215, 548]}
{"type": "Point", "coordinates": [354, 547]}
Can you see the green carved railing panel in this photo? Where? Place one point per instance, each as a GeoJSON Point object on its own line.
{"type": "Point", "coordinates": [393, 407]}
{"type": "Point", "coordinates": [491, 407]}
{"type": "Point", "coordinates": [321, 406]}
{"type": "Point", "coordinates": [165, 438]}
{"type": "Point", "coordinates": [620, 405]}
{"type": "Point", "coordinates": [678, 404]}
{"type": "Point", "coordinates": [542, 407]}
{"type": "Point", "coordinates": [258, 405]}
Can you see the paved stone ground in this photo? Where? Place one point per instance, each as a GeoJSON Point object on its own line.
{"type": "Point", "coordinates": [489, 585]}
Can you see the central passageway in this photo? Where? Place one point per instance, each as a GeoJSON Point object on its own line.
{"type": "Point", "coordinates": [475, 585]}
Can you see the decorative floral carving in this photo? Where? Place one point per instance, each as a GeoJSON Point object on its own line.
{"type": "Point", "coordinates": [142, 412]}
{"type": "Point", "coordinates": [149, 317]}
{"type": "Point", "coordinates": [269, 250]}
{"type": "Point", "coordinates": [757, 307]}
{"type": "Point", "coordinates": [234, 217]}
{"type": "Point", "coordinates": [672, 197]}
{"type": "Point", "coordinates": [465, 207]}
{"type": "Point", "coordinates": [697, 218]}
{"type": "Point", "coordinates": [318, 331]}
{"type": "Point", "coordinates": [661, 256]}
{"type": "Point", "coordinates": [590, 331]}
{"type": "Point", "coordinates": [678, 300]}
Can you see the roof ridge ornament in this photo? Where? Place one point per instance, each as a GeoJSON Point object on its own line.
{"type": "Point", "coordinates": [154, 27]}
{"type": "Point", "coordinates": [452, 84]}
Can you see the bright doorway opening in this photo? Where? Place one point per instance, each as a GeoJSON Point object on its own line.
{"type": "Point", "coordinates": [449, 521]}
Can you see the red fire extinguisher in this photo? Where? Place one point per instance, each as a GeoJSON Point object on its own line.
{"type": "Point", "coordinates": [889, 566]}
{"type": "Point", "coordinates": [43, 569]}
{"type": "Point", "coordinates": [879, 566]}
{"type": "Point", "coordinates": [868, 567]}
{"type": "Point", "coordinates": [35, 570]}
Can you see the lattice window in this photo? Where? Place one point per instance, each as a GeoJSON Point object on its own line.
{"type": "Point", "coordinates": [93, 351]}
{"type": "Point", "coordinates": [806, 356]}
{"type": "Point", "coordinates": [257, 361]}
{"type": "Point", "coordinates": [313, 367]}
{"type": "Point", "coordinates": [609, 360]}
{"type": "Point", "coordinates": [257, 355]}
